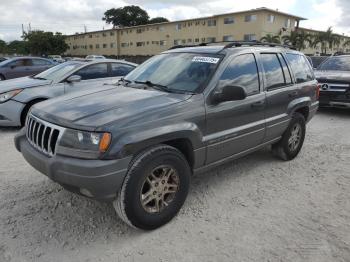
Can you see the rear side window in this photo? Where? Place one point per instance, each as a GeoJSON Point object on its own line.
{"type": "Point", "coordinates": [93, 71]}
{"type": "Point", "coordinates": [120, 69]}
{"type": "Point", "coordinates": [286, 71]}
{"type": "Point", "coordinates": [40, 62]}
{"type": "Point", "coordinates": [242, 71]}
{"type": "Point", "coordinates": [300, 67]}
{"type": "Point", "coordinates": [274, 74]}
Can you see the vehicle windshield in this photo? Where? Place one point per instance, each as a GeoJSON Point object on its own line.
{"type": "Point", "coordinates": [185, 72]}
{"type": "Point", "coordinates": [59, 71]}
{"type": "Point", "coordinates": [337, 63]}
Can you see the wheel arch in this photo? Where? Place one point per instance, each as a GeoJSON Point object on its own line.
{"type": "Point", "coordinates": [28, 106]}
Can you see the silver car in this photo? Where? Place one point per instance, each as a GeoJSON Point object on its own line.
{"type": "Point", "coordinates": [17, 96]}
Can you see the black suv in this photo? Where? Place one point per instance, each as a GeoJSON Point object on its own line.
{"type": "Point", "coordinates": [333, 76]}
{"type": "Point", "coordinates": [181, 112]}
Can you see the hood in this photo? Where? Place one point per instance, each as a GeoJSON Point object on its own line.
{"type": "Point", "coordinates": [339, 76]}
{"type": "Point", "coordinates": [90, 110]}
{"type": "Point", "coordinates": [22, 82]}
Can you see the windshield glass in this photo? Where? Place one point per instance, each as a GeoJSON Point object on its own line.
{"type": "Point", "coordinates": [177, 71]}
{"type": "Point", "coordinates": [59, 71]}
{"type": "Point", "coordinates": [339, 63]}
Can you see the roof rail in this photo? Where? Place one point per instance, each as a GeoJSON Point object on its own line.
{"type": "Point", "coordinates": [230, 44]}
{"type": "Point", "coordinates": [255, 43]}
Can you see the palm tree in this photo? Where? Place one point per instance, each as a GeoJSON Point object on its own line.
{"type": "Point", "coordinates": [327, 39]}
{"type": "Point", "coordinates": [271, 39]}
{"type": "Point", "coordinates": [298, 39]}
{"type": "Point", "coordinates": [291, 39]}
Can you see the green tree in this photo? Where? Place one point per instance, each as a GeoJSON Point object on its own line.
{"type": "Point", "coordinates": [327, 39]}
{"type": "Point", "coordinates": [298, 39]}
{"type": "Point", "coordinates": [126, 16]}
{"type": "Point", "coordinates": [45, 43]}
{"type": "Point", "coordinates": [158, 20]}
{"type": "Point", "coordinates": [3, 47]}
{"type": "Point", "coordinates": [271, 39]}
{"type": "Point", "coordinates": [17, 47]}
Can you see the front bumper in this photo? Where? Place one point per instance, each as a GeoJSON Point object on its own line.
{"type": "Point", "coordinates": [10, 113]}
{"type": "Point", "coordinates": [97, 179]}
{"type": "Point", "coordinates": [335, 99]}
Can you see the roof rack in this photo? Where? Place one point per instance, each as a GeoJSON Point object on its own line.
{"type": "Point", "coordinates": [231, 44]}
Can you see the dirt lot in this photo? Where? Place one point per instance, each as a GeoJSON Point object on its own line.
{"type": "Point", "coordinates": [255, 209]}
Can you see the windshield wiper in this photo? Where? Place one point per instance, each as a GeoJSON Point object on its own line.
{"type": "Point", "coordinates": [40, 78]}
{"type": "Point", "coordinates": [151, 84]}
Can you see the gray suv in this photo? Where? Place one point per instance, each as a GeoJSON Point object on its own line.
{"type": "Point", "coordinates": [179, 113]}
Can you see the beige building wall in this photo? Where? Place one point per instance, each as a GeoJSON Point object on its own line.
{"type": "Point", "coordinates": [151, 39]}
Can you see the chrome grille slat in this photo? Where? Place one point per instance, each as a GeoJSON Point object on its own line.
{"type": "Point", "coordinates": [43, 135]}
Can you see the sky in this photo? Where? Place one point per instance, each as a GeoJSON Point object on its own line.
{"type": "Point", "coordinates": [71, 16]}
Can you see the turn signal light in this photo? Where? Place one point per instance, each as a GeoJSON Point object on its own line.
{"type": "Point", "coordinates": [318, 91]}
{"type": "Point", "coordinates": [105, 142]}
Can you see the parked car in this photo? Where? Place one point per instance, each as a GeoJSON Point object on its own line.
{"type": "Point", "coordinates": [57, 58]}
{"type": "Point", "coordinates": [93, 57]}
{"type": "Point", "coordinates": [317, 60]}
{"type": "Point", "coordinates": [181, 112]}
{"type": "Point", "coordinates": [23, 66]}
{"type": "Point", "coordinates": [333, 76]}
{"type": "Point", "coordinates": [3, 59]}
{"type": "Point", "coordinates": [17, 96]}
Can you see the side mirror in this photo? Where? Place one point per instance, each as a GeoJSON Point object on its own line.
{"type": "Point", "coordinates": [229, 93]}
{"type": "Point", "coordinates": [13, 66]}
{"type": "Point", "coordinates": [74, 79]}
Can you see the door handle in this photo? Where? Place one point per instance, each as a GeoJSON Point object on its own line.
{"type": "Point", "coordinates": [293, 94]}
{"type": "Point", "coordinates": [258, 104]}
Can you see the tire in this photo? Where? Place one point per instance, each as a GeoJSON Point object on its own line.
{"type": "Point", "coordinates": [290, 144]}
{"type": "Point", "coordinates": [27, 109]}
{"type": "Point", "coordinates": [2, 78]}
{"type": "Point", "coordinates": [133, 203]}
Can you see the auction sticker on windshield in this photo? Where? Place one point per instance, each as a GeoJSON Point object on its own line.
{"type": "Point", "coordinates": [203, 59]}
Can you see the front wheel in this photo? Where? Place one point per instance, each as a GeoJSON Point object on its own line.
{"type": "Point", "coordinates": [154, 189]}
{"type": "Point", "coordinates": [292, 139]}
{"type": "Point", "coordinates": [2, 78]}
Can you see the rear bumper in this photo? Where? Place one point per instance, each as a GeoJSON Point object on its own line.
{"type": "Point", "coordinates": [335, 99]}
{"type": "Point", "coordinates": [10, 113]}
{"type": "Point", "coordinates": [97, 179]}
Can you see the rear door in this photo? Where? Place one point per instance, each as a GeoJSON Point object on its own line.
{"type": "Point", "coordinates": [236, 126]}
{"type": "Point", "coordinates": [92, 76]}
{"type": "Point", "coordinates": [17, 68]}
{"type": "Point", "coordinates": [39, 65]}
{"type": "Point", "coordinates": [119, 70]}
{"type": "Point", "coordinates": [280, 91]}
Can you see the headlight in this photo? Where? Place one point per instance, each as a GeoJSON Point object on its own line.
{"type": "Point", "coordinates": [83, 144]}
{"type": "Point", "coordinates": [8, 95]}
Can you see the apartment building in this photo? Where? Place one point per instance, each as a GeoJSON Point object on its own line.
{"type": "Point", "coordinates": [151, 39]}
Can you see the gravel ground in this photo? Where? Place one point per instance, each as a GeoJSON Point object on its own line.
{"type": "Point", "coordinates": [257, 208]}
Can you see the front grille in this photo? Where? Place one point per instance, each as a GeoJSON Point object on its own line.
{"type": "Point", "coordinates": [42, 135]}
{"type": "Point", "coordinates": [334, 87]}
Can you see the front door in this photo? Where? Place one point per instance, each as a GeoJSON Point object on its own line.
{"type": "Point", "coordinates": [236, 126]}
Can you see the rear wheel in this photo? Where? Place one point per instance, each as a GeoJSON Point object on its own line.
{"type": "Point", "coordinates": [292, 139]}
{"type": "Point", "coordinates": [154, 189]}
{"type": "Point", "coordinates": [2, 78]}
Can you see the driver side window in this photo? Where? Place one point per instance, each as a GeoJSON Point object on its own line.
{"type": "Point", "coordinates": [242, 71]}
{"type": "Point", "coordinates": [93, 71]}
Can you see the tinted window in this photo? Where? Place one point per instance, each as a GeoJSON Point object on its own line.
{"type": "Point", "coordinates": [242, 71]}
{"type": "Point", "coordinates": [17, 63]}
{"type": "Point", "coordinates": [120, 69]}
{"type": "Point", "coordinates": [40, 62]}
{"type": "Point", "coordinates": [93, 72]}
{"type": "Point", "coordinates": [340, 63]}
{"type": "Point", "coordinates": [273, 71]}
{"type": "Point", "coordinates": [300, 67]}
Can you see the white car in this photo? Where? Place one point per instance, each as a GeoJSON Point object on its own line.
{"type": "Point", "coordinates": [93, 57]}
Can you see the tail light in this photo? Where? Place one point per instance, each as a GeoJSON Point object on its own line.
{"type": "Point", "coordinates": [318, 91]}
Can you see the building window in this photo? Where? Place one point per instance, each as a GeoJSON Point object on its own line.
{"type": "Point", "coordinates": [183, 41]}
{"type": "Point", "coordinates": [104, 45]}
{"type": "Point", "coordinates": [250, 18]}
{"type": "Point", "coordinates": [211, 39]}
{"type": "Point", "coordinates": [113, 45]}
{"type": "Point", "coordinates": [196, 40]}
{"type": "Point", "coordinates": [138, 31]}
{"type": "Point", "coordinates": [177, 42]}
{"type": "Point", "coordinates": [155, 42]}
{"type": "Point", "coordinates": [271, 18]}
{"type": "Point", "coordinates": [197, 23]}
{"type": "Point", "coordinates": [203, 39]}
{"type": "Point", "coordinates": [189, 40]}
{"type": "Point", "coordinates": [91, 46]}
{"type": "Point", "coordinates": [287, 23]}
{"type": "Point", "coordinates": [90, 36]}
{"type": "Point", "coordinates": [228, 38]}
{"type": "Point", "coordinates": [178, 27]}
{"type": "Point", "coordinates": [140, 44]}
{"type": "Point", "coordinates": [212, 22]}
{"type": "Point", "coordinates": [229, 20]}
{"type": "Point", "coordinates": [97, 46]}
{"type": "Point", "coordinates": [97, 35]}
{"type": "Point", "coordinates": [124, 44]}
{"type": "Point", "coordinates": [104, 34]}
{"type": "Point", "coordinates": [111, 33]}
{"type": "Point", "coordinates": [162, 42]}
{"type": "Point", "coordinates": [250, 37]}
{"type": "Point", "coordinates": [161, 28]}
